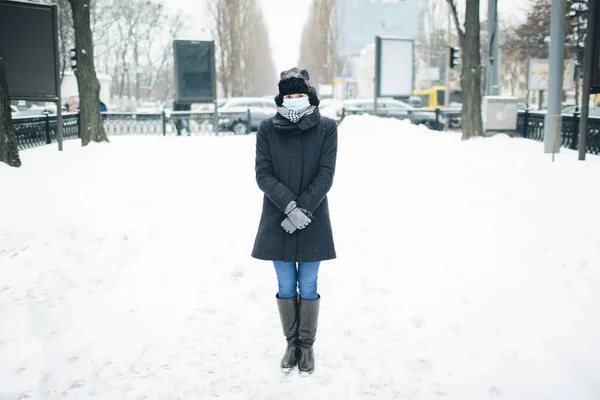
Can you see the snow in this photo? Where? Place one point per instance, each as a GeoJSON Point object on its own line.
{"type": "Point", "coordinates": [466, 270]}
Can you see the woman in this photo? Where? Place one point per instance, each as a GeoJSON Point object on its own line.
{"type": "Point", "coordinates": [295, 163]}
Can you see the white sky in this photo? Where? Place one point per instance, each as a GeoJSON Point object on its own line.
{"type": "Point", "coordinates": [286, 18]}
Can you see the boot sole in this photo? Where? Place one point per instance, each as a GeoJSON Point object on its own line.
{"type": "Point", "coordinates": [287, 371]}
{"type": "Point", "coordinates": [305, 373]}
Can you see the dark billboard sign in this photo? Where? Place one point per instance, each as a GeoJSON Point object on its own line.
{"type": "Point", "coordinates": [195, 72]}
{"type": "Point", "coordinates": [28, 46]}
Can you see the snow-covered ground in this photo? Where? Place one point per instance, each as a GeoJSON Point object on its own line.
{"type": "Point", "coordinates": [466, 270]}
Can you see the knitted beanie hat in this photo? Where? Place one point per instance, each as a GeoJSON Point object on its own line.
{"type": "Point", "coordinates": [295, 81]}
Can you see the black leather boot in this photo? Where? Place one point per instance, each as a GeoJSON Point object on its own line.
{"type": "Point", "coordinates": [308, 318]}
{"type": "Point", "coordinates": [288, 313]}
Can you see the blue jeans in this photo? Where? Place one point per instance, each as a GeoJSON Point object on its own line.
{"type": "Point", "coordinates": [302, 276]}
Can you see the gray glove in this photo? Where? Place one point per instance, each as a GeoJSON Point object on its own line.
{"type": "Point", "coordinates": [288, 226]}
{"type": "Point", "coordinates": [297, 217]}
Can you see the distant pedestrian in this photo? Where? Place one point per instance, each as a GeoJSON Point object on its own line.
{"type": "Point", "coordinates": [181, 122]}
{"type": "Point", "coordinates": [295, 163]}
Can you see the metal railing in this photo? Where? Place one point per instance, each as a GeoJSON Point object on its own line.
{"type": "Point", "coordinates": [530, 125]}
{"type": "Point", "coordinates": [41, 130]}
{"type": "Point", "coordinates": [177, 123]}
{"type": "Point", "coordinates": [37, 131]}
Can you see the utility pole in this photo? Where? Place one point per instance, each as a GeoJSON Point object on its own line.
{"type": "Point", "coordinates": [493, 56]}
{"type": "Point", "coordinates": [552, 122]}
{"type": "Point", "coordinates": [447, 77]}
{"type": "Point", "coordinates": [588, 65]}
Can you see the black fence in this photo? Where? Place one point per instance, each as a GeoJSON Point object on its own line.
{"type": "Point", "coordinates": [434, 118]}
{"type": "Point", "coordinates": [530, 125]}
{"type": "Point", "coordinates": [37, 131]}
{"type": "Point", "coordinates": [41, 130]}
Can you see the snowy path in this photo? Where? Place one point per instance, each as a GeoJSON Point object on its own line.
{"type": "Point", "coordinates": [125, 272]}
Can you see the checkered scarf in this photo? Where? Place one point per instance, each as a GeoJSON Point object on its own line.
{"type": "Point", "coordinates": [296, 115]}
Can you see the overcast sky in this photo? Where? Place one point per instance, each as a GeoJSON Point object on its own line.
{"type": "Point", "coordinates": [285, 19]}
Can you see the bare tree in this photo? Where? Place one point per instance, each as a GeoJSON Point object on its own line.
{"type": "Point", "coordinates": [470, 77]}
{"type": "Point", "coordinates": [512, 61]}
{"type": "Point", "coordinates": [319, 44]}
{"type": "Point", "coordinates": [244, 62]}
{"type": "Point", "coordinates": [259, 69]}
{"type": "Point", "coordinates": [435, 39]}
{"type": "Point", "coordinates": [65, 35]}
{"type": "Point", "coordinates": [89, 87]}
{"type": "Point", "coordinates": [9, 151]}
{"type": "Point", "coordinates": [165, 52]}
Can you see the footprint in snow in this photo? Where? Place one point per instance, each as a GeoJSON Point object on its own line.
{"type": "Point", "coordinates": [417, 322]}
{"type": "Point", "coordinates": [495, 392]}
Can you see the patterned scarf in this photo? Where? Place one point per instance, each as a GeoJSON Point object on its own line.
{"type": "Point", "coordinates": [296, 115]}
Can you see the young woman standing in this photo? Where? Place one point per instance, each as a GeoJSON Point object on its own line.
{"type": "Point", "coordinates": [295, 163]}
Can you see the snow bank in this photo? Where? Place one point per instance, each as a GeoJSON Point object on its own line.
{"type": "Point", "coordinates": [466, 270]}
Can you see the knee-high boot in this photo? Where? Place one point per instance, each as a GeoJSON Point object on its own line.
{"type": "Point", "coordinates": [288, 313]}
{"type": "Point", "coordinates": [308, 318]}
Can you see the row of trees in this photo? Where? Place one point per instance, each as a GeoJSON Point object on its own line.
{"type": "Point", "coordinates": [132, 42]}
{"type": "Point", "coordinates": [244, 60]}
{"type": "Point", "coordinates": [78, 18]}
{"type": "Point", "coordinates": [530, 38]}
{"type": "Point", "coordinates": [319, 52]}
{"type": "Point", "coordinates": [319, 42]}
{"type": "Point", "coordinates": [520, 42]}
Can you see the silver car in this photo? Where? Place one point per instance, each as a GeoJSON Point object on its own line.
{"type": "Point", "coordinates": [260, 109]}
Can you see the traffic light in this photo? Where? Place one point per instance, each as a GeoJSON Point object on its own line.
{"type": "Point", "coordinates": [73, 59]}
{"type": "Point", "coordinates": [454, 54]}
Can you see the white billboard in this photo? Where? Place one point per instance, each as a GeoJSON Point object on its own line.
{"type": "Point", "coordinates": [394, 67]}
{"type": "Point", "coordinates": [539, 71]}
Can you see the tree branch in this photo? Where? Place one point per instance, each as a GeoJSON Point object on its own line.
{"type": "Point", "coordinates": [454, 12]}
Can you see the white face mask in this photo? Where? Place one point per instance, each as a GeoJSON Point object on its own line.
{"type": "Point", "coordinates": [296, 104]}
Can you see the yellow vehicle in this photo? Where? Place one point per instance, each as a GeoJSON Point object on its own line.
{"type": "Point", "coordinates": [434, 97]}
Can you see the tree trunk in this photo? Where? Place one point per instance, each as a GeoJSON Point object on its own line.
{"type": "Point", "coordinates": [471, 72]}
{"type": "Point", "coordinates": [136, 63]}
{"type": "Point", "coordinates": [89, 86]}
{"type": "Point", "coordinates": [9, 152]}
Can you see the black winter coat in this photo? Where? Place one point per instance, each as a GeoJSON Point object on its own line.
{"type": "Point", "coordinates": [295, 162]}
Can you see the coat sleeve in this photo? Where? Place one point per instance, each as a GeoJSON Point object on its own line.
{"type": "Point", "coordinates": [275, 191]}
{"type": "Point", "coordinates": [319, 187]}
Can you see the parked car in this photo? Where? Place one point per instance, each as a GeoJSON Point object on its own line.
{"type": "Point", "coordinates": [148, 108]}
{"type": "Point", "coordinates": [453, 115]}
{"type": "Point", "coordinates": [208, 107]}
{"type": "Point", "coordinates": [233, 115]}
{"type": "Point", "coordinates": [332, 108]}
{"type": "Point", "coordinates": [570, 110]}
{"type": "Point", "coordinates": [390, 108]}
{"type": "Point", "coordinates": [37, 110]}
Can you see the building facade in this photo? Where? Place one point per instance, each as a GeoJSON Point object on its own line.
{"type": "Point", "coordinates": [359, 22]}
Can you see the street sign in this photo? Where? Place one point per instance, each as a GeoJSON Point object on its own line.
{"type": "Point", "coordinates": [539, 71]}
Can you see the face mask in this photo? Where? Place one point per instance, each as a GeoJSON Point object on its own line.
{"type": "Point", "coordinates": [296, 104]}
